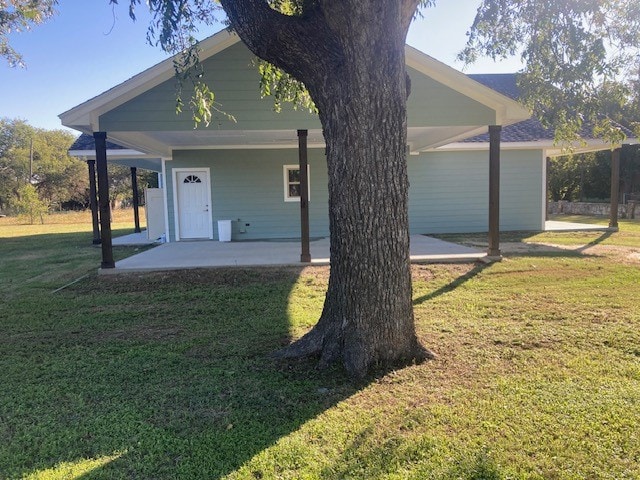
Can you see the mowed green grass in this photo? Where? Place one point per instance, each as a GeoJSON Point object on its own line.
{"type": "Point", "coordinates": [168, 375]}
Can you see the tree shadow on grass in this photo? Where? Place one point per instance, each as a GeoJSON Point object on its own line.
{"type": "Point", "coordinates": [530, 249]}
{"type": "Point", "coordinates": [595, 242]}
{"type": "Point", "coordinates": [49, 261]}
{"type": "Point", "coordinates": [508, 239]}
{"type": "Point", "coordinates": [476, 270]}
{"type": "Point", "coordinates": [166, 372]}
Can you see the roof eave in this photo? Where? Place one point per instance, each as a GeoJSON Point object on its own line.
{"type": "Point", "coordinates": [548, 145]}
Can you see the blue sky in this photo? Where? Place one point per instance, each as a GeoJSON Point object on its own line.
{"type": "Point", "coordinates": [91, 46]}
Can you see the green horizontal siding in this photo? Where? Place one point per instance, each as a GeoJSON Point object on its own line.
{"type": "Point", "coordinates": [235, 82]}
{"type": "Point", "coordinates": [449, 191]}
{"type": "Point", "coordinates": [432, 104]}
{"type": "Point", "coordinates": [247, 186]}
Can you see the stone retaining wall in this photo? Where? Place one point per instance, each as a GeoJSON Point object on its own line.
{"type": "Point", "coordinates": [630, 210]}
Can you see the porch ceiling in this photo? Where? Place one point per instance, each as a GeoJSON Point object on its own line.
{"type": "Point", "coordinates": [163, 143]}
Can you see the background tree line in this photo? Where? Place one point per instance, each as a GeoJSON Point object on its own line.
{"type": "Point", "coordinates": [37, 175]}
{"type": "Point", "coordinates": [587, 177]}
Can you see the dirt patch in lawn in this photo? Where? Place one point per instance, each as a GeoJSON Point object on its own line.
{"type": "Point", "coordinates": [626, 255]}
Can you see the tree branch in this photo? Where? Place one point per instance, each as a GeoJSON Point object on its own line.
{"type": "Point", "coordinates": [408, 10]}
{"type": "Point", "coordinates": [289, 42]}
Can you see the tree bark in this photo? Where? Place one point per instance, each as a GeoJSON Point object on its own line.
{"type": "Point", "coordinates": [352, 61]}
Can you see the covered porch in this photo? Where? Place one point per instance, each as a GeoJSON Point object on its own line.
{"type": "Point", "coordinates": [212, 254]}
{"type": "Point", "coordinates": [234, 170]}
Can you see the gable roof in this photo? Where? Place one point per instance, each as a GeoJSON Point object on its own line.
{"type": "Point", "coordinates": [87, 142]}
{"type": "Point", "coordinates": [505, 83]}
{"type": "Point", "coordinates": [530, 130]}
{"type": "Point", "coordinates": [85, 147]}
{"type": "Point", "coordinates": [86, 117]}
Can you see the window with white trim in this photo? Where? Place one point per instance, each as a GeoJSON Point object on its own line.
{"type": "Point", "coordinates": [291, 176]}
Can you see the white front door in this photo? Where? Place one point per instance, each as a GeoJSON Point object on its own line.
{"type": "Point", "coordinates": [194, 212]}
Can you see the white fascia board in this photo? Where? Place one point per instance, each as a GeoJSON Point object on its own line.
{"type": "Point", "coordinates": [141, 142]}
{"type": "Point", "coordinates": [551, 149]}
{"type": "Point", "coordinates": [469, 146]}
{"type": "Point", "coordinates": [111, 153]}
{"type": "Point", "coordinates": [507, 110]}
{"type": "Point", "coordinates": [240, 146]}
{"type": "Point", "coordinates": [84, 116]}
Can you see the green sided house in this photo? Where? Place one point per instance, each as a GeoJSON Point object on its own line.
{"type": "Point", "coordinates": [248, 171]}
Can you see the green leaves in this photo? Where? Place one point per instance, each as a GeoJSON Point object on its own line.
{"type": "Point", "coordinates": [28, 204]}
{"type": "Point", "coordinates": [574, 50]}
{"type": "Point", "coordinates": [18, 16]}
{"type": "Point", "coordinates": [284, 88]}
{"type": "Point", "coordinates": [57, 177]}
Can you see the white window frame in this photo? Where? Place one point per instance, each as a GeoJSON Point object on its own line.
{"type": "Point", "coordinates": [285, 178]}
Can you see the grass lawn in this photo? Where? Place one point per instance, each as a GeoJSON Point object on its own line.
{"type": "Point", "coordinates": [167, 375]}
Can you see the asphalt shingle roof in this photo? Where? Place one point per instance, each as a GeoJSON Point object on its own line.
{"type": "Point", "coordinates": [87, 142]}
{"type": "Point", "coordinates": [504, 83]}
{"type": "Point", "coordinates": [528, 130]}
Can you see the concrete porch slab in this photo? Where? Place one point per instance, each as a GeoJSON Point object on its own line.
{"type": "Point", "coordinates": [210, 254]}
{"type": "Point", "coordinates": [133, 239]}
{"type": "Point", "coordinates": [555, 226]}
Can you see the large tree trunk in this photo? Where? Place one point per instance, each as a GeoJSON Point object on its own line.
{"type": "Point", "coordinates": [360, 88]}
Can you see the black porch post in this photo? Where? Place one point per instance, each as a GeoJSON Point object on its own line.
{"type": "Point", "coordinates": [103, 199]}
{"type": "Point", "coordinates": [494, 191]}
{"type": "Point", "coordinates": [615, 188]}
{"type": "Point", "coordinates": [93, 201]}
{"type": "Point", "coordinates": [136, 200]}
{"type": "Point", "coordinates": [305, 256]}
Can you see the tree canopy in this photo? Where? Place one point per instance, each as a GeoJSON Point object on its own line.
{"type": "Point", "coordinates": [39, 157]}
{"type": "Point", "coordinates": [58, 180]}
{"type": "Point", "coordinates": [582, 58]}
{"type": "Point", "coordinates": [18, 16]}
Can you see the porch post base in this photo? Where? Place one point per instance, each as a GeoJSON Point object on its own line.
{"type": "Point", "coordinates": [491, 258]}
